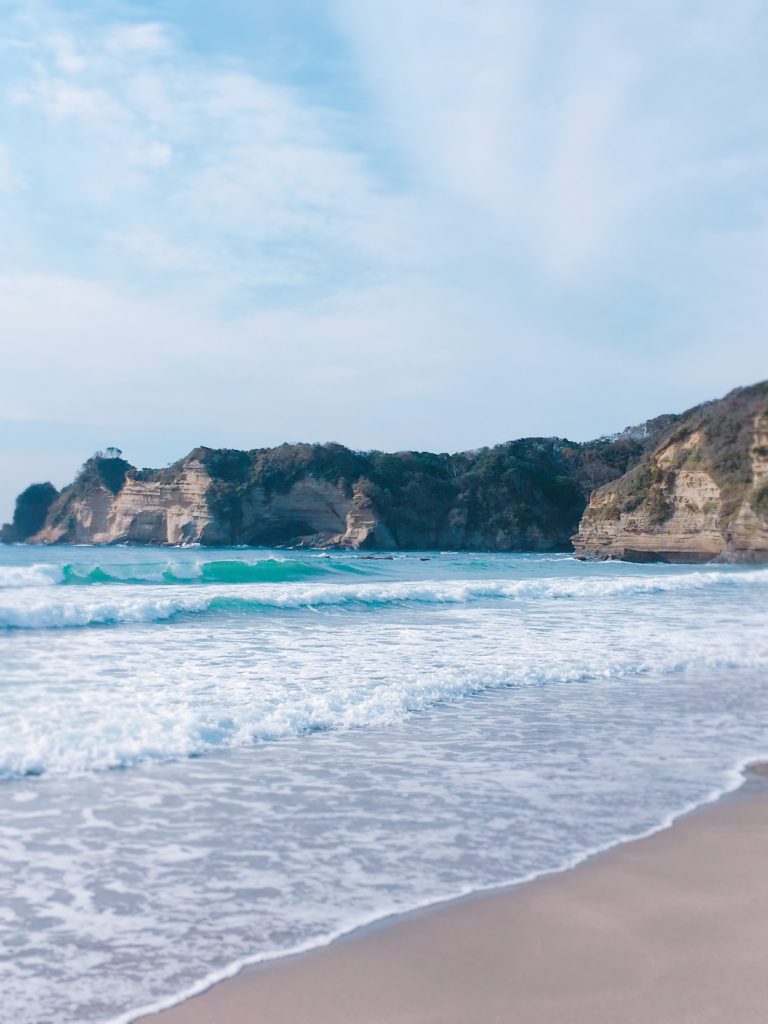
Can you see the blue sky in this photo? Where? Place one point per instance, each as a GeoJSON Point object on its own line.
{"type": "Point", "coordinates": [421, 223]}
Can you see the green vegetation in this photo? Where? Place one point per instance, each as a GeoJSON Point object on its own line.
{"type": "Point", "coordinates": [106, 469]}
{"type": "Point", "coordinates": [759, 501]}
{"type": "Point", "coordinates": [32, 507]}
{"type": "Point", "coordinates": [101, 470]}
{"type": "Point", "coordinates": [657, 508]}
{"type": "Point", "coordinates": [527, 494]}
{"type": "Point", "coordinates": [726, 445]}
{"type": "Point", "coordinates": [716, 438]}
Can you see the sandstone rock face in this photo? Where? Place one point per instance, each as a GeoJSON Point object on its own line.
{"type": "Point", "coordinates": [512, 497]}
{"type": "Point", "coordinates": [311, 513]}
{"type": "Point", "coordinates": [524, 495]}
{"type": "Point", "coordinates": [179, 506]}
{"type": "Point", "coordinates": [178, 510]}
{"type": "Point", "coordinates": [702, 495]}
{"type": "Point", "coordinates": [363, 527]}
{"type": "Point", "coordinates": [748, 533]}
{"type": "Point", "coordinates": [173, 511]}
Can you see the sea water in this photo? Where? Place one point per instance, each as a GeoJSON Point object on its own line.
{"type": "Point", "coordinates": [210, 758]}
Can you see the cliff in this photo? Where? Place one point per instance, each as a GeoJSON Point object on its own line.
{"type": "Point", "coordinates": [523, 495]}
{"type": "Point", "coordinates": [700, 494]}
{"type": "Point", "coordinates": [678, 488]}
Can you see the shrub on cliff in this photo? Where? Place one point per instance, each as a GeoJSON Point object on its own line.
{"type": "Point", "coordinates": [102, 470]}
{"type": "Point", "coordinates": [759, 501]}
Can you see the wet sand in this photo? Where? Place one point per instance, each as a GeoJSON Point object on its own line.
{"type": "Point", "coordinates": [672, 929]}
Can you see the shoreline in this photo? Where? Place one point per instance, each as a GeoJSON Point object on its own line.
{"type": "Point", "coordinates": [227, 995]}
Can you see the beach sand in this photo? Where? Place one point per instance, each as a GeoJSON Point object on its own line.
{"type": "Point", "coordinates": [672, 929]}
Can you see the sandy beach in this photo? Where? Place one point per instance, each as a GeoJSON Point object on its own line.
{"type": "Point", "coordinates": [671, 929]}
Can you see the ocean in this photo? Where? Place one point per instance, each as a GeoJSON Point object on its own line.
{"type": "Point", "coordinates": [212, 758]}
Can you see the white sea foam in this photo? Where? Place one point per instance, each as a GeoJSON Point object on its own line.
{"type": "Point", "coordinates": [33, 608]}
{"type": "Point", "coordinates": [118, 697]}
{"type": "Point", "coordinates": [731, 780]}
{"type": "Point", "coordinates": [372, 744]}
{"type": "Point", "coordinates": [28, 608]}
{"type": "Point", "coordinates": [39, 575]}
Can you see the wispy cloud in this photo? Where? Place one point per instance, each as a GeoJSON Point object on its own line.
{"type": "Point", "coordinates": [6, 171]}
{"type": "Point", "coordinates": [577, 127]}
{"type": "Point", "coordinates": [494, 217]}
{"type": "Point", "coordinates": [192, 151]}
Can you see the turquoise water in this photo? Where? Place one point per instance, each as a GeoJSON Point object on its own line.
{"type": "Point", "coordinates": [211, 758]}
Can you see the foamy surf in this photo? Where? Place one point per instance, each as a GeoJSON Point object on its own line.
{"type": "Point", "coordinates": [441, 726]}
{"type": "Point", "coordinates": [32, 608]}
{"type": "Point", "coordinates": [732, 779]}
{"type": "Point", "coordinates": [176, 721]}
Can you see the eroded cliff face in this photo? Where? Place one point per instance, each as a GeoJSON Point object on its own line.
{"type": "Point", "coordinates": [187, 504]}
{"type": "Point", "coordinates": [313, 513]}
{"type": "Point", "coordinates": [701, 495]}
{"type": "Point", "coordinates": [525, 495]}
{"type": "Point", "coordinates": [171, 510]}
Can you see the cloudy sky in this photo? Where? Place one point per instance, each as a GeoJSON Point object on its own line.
{"type": "Point", "coordinates": [392, 223]}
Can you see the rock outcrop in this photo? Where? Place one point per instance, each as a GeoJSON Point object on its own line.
{"type": "Point", "coordinates": [32, 507]}
{"type": "Point", "coordinates": [678, 488]}
{"type": "Point", "coordinates": [524, 495]}
{"type": "Point", "coordinates": [700, 495]}
{"type": "Point", "coordinates": [111, 502]}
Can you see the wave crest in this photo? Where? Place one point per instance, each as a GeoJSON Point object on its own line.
{"type": "Point", "coordinates": [265, 570]}
{"type": "Point", "coordinates": [46, 608]}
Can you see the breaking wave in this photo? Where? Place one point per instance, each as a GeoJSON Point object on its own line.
{"type": "Point", "coordinates": [174, 718]}
{"type": "Point", "coordinates": [266, 570]}
{"type": "Point", "coordinates": [45, 608]}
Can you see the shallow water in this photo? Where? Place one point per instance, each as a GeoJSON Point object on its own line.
{"type": "Point", "coordinates": [301, 743]}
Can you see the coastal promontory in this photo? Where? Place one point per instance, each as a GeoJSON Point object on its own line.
{"type": "Point", "coordinates": [525, 495]}
{"type": "Point", "coordinates": [700, 494]}
{"type": "Point", "coordinates": [687, 488]}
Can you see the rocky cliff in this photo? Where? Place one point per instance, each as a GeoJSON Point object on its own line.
{"type": "Point", "coordinates": [524, 495]}
{"type": "Point", "coordinates": [678, 488]}
{"type": "Point", "coordinates": [700, 494]}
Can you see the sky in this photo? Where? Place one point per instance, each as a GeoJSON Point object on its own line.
{"type": "Point", "coordinates": [430, 224]}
